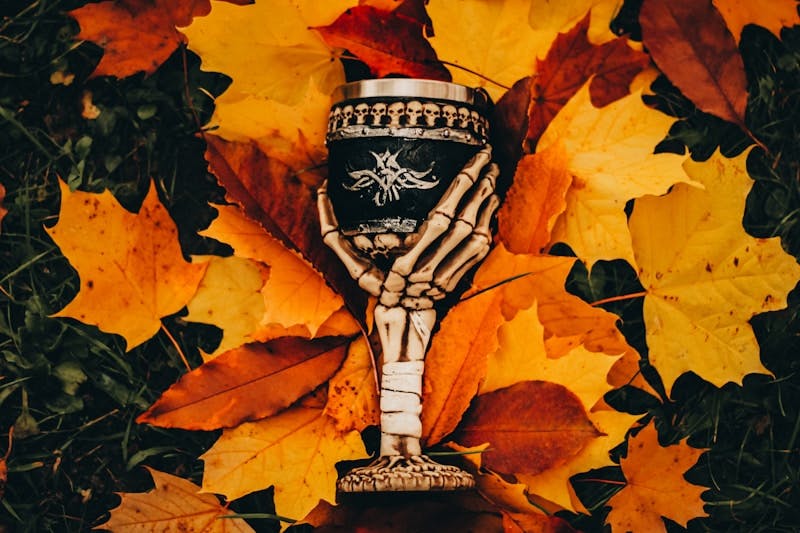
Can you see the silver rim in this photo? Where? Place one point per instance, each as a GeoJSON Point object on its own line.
{"type": "Point", "coordinates": [411, 88]}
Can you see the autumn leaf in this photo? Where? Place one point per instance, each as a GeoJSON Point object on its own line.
{"type": "Point", "coordinates": [353, 400]}
{"type": "Point", "coordinates": [116, 26]}
{"type": "Point", "coordinates": [237, 282]}
{"type": "Point", "coordinates": [131, 267]}
{"type": "Point", "coordinates": [705, 277]}
{"type": "Point", "coordinates": [739, 13]}
{"type": "Point", "coordinates": [532, 426]}
{"type": "Point", "coordinates": [274, 195]}
{"type": "Point", "coordinates": [173, 505]}
{"type": "Point", "coordinates": [573, 60]}
{"type": "Point", "coordinates": [387, 41]}
{"type": "Point", "coordinates": [294, 292]}
{"type": "Point", "coordinates": [655, 485]}
{"type": "Point", "coordinates": [295, 451]}
{"type": "Point", "coordinates": [247, 383]}
{"type": "Point", "coordinates": [535, 200]}
{"type": "Point", "coordinates": [522, 356]}
{"type": "Point", "coordinates": [547, 16]}
{"type": "Point", "coordinates": [705, 65]}
{"type": "Point", "coordinates": [490, 41]}
{"type": "Point", "coordinates": [443, 515]}
{"type": "Point", "coordinates": [610, 156]}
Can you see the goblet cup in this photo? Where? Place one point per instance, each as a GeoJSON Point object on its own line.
{"type": "Point", "coordinates": [407, 208]}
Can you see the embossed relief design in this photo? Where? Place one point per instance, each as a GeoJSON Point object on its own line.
{"type": "Point", "coordinates": [389, 177]}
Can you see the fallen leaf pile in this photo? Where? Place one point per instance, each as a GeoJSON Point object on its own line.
{"type": "Point", "coordinates": [518, 369]}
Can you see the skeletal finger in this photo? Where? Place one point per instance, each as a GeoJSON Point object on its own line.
{"type": "Point", "coordinates": [364, 272]}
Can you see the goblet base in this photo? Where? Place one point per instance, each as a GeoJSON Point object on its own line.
{"type": "Point", "coordinates": [396, 473]}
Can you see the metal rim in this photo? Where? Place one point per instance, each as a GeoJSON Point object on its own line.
{"type": "Point", "coordinates": [411, 88]}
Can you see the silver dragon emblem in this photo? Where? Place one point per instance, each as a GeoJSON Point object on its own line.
{"type": "Point", "coordinates": [390, 178]}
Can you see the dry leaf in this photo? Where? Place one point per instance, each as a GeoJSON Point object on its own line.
{"type": "Point", "coordinates": [535, 200]}
{"type": "Point", "coordinates": [704, 64]}
{"type": "Point", "coordinates": [573, 60]}
{"type": "Point", "coordinates": [610, 156]}
{"type": "Point", "coordinates": [387, 41]}
{"type": "Point", "coordinates": [522, 357]}
{"type": "Point", "coordinates": [296, 451]}
{"type": "Point", "coordinates": [247, 383]}
{"type": "Point", "coordinates": [353, 400]}
{"type": "Point", "coordinates": [274, 195]}
{"type": "Point", "coordinates": [173, 505]}
{"type": "Point", "coordinates": [705, 277]}
{"type": "Point", "coordinates": [655, 485]}
{"type": "Point", "coordinates": [131, 267]}
{"type": "Point", "coordinates": [294, 293]}
{"type": "Point", "coordinates": [531, 427]}
{"type": "Point", "coordinates": [229, 297]}
{"type": "Point", "coordinates": [739, 13]}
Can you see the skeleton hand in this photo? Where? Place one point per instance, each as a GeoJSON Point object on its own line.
{"type": "Point", "coordinates": [455, 237]}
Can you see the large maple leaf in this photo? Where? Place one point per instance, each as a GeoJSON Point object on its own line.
{"type": "Point", "coordinates": [610, 156]}
{"type": "Point", "coordinates": [705, 277]}
{"type": "Point", "coordinates": [131, 268]}
{"type": "Point", "coordinates": [173, 505]}
{"type": "Point", "coordinates": [655, 485]}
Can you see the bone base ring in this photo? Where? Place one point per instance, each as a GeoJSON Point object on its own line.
{"type": "Point", "coordinates": [405, 474]}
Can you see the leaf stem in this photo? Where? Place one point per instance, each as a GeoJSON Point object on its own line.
{"type": "Point", "coordinates": [606, 481]}
{"type": "Point", "coordinates": [465, 69]}
{"type": "Point", "coordinates": [262, 516]}
{"type": "Point", "coordinates": [177, 347]}
{"type": "Point", "coordinates": [494, 286]}
{"type": "Point", "coordinates": [619, 298]}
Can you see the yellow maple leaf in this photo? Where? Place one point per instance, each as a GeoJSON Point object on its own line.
{"type": "Point", "coordinates": [610, 156]}
{"type": "Point", "coordinates": [294, 293]}
{"type": "Point", "coordinates": [490, 38]}
{"type": "Point", "coordinates": [655, 485]}
{"type": "Point", "coordinates": [229, 297]}
{"type": "Point", "coordinates": [554, 486]}
{"type": "Point", "coordinates": [130, 265]}
{"type": "Point", "coordinates": [705, 277]}
{"type": "Point", "coordinates": [173, 505]}
{"type": "Point", "coordinates": [739, 13]}
{"type": "Point", "coordinates": [522, 356]}
{"type": "Point", "coordinates": [296, 451]}
{"type": "Point", "coordinates": [283, 72]}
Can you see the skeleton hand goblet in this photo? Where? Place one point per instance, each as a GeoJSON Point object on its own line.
{"type": "Point", "coordinates": [427, 158]}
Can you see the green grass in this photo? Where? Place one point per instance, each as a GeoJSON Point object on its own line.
{"type": "Point", "coordinates": [72, 393]}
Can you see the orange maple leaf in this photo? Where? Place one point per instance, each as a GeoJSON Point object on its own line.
{"type": "Point", "coordinates": [655, 485]}
{"type": "Point", "coordinates": [131, 266]}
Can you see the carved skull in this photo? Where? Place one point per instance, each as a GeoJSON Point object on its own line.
{"type": "Point", "coordinates": [413, 112]}
{"type": "Point", "coordinates": [432, 112]}
{"type": "Point", "coordinates": [463, 116]}
{"type": "Point", "coordinates": [337, 116]}
{"type": "Point", "coordinates": [378, 112]}
{"type": "Point", "coordinates": [347, 115]}
{"type": "Point", "coordinates": [476, 122]}
{"type": "Point", "coordinates": [396, 111]}
{"type": "Point", "coordinates": [450, 114]}
{"type": "Point", "coordinates": [360, 112]}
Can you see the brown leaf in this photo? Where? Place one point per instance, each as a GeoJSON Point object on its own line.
{"type": "Point", "coordinates": [247, 383]}
{"type": "Point", "coordinates": [509, 124]}
{"type": "Point", "coordinates": [690, 43]}
{"type": "Point", "coordinates": [280, 197]}
{"type": "Point", "coordinates": [535, 200]}
{"type": "Point", "coordinates": [534, 523]}
{"type": "Point", "coordinates": [531, 427]}
{"type": "Point", "coordinates": [387, 41]}
{"type": "Point", "coordinates": [570, 62]}
{"type": "Point", "coordinates": [117, 26]}
{"type": "Point", "coordinates": [426, 512]}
